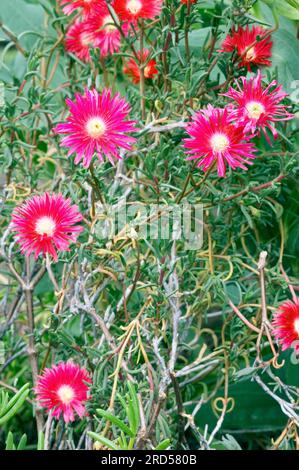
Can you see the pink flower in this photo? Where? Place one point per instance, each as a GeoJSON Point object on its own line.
{"type": "Point", "coordinates": [105, 34]}
{"type": "Point", "coordinates": [132, 10]}
{"type": "Point", "coordinates": [44, 223]}
{"type": "Point", "coordinates": [63, 389]}
{"type": "Point", "coordinates": [257, 107]}
{"type": "Point", "coordinates": [79, 40]}
{"type": "Point", "coordinates": [87, 6]}
{"type": "Point", "coordinates": [252, 46]}
{"type": "Point", "coordinates": [132, 69]}
{"type": "Point", "coordinates": [286, 325]}
{"type": "Point", "coordinates": [96, 124]}
{"type": "Point", "coordinates": [215, 139]}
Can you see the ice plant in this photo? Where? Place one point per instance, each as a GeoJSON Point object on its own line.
{"type": "Point", "coordinates": [105, 34]}
{"type": "Point", "coordinates": [79, 40]}
{"type": "Point", "coordinates": [44, 224]}
{"type": "Point", "coordinates": [215, 139]}
{"type": "Point", "coordinates": [286, 325]}
{"type": "Point", "coordinates": [132, 69]}
{"type": "Point", "coordinates": [86, 6]}
{"type": "Point", "coordinates": [132, 10]}
{"type": "Point", "coordinates": [63, 389]}
{"type": "Point", "coordinates": [257, 106]}
{"type": "Point", "coordinates": [97, 123]}
{"type": "Point", "coordinates": [253, 45]}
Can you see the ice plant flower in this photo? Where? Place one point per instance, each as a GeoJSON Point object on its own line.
{"type": "Point", "coordinates": [253, 46]}
{"type": "Point", "coordinates": [286, 325]}
{"type": "Point", "coordinates": [105, 34]}
{"type": "Point", "coordinates": [215, 139]}
{"type": "Point", "coordinates": [97, 123]}
{"type": "Point", "coordinates": [132, 69]}
{"type": "Point", "coordinates": [63, 389]}
{"type": "Point", "coordinates": [44, 224]}
{"type": "Point", "coordinates": [132, 10]}
{"type": "Point", "coordinates": [79, 40]}
{"type": "Point", "coordinates": [86, 6]}
{"type": "Point", "coordinates": [258, 106]}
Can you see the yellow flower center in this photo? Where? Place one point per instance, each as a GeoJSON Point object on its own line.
{"type": "Point", "coordinates": [219, 142]}
{"type": "Point", "coordinates": [255, 109]}
{"type": "Point", "coordinates": [45, 226]}
{"type": "Point", "coordinates": [85, 39]}
{"type": "Point", "coordinates": [108, 24]}
{"type": "Point", "coordinates": [134, 6]}
{"type": "Point", "coordinates": [66, 394]}
{"type": "Point", "coordinates": [296, 326]}
{"type": "Point", "coordinates": [147, 71]}
{"type": "Point", "coordinates": [250, 54]}
{"type": "Point", "coordinates": [95, 127]}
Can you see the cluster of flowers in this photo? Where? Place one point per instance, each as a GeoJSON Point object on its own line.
{"type": "Point", "coordinates": [102, 26]}
{"type": "Point", "coordinates": [98, 123]}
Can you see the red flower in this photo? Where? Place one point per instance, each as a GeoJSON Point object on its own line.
{"type": "Point", "coordinates": [213, 138]}
{"type": "Point", "coordinates": [45, 222]}
{"type": "Point", "coordinates": [63, 389]}
{"type": "Point", "coordinates": [105, 34]}
{"type": "Point", "coordinates": [185, 2]}
{"type": "Point", "coordinates": [252, 46]}
{"type": "Point", "coordinates": [286, 325]}
{"type": "Point", "coordinates": [87, 6]}
{"type": "Point", "coordinates": [258, 107]}
{"type": "Point", "coordinates": [132, 68]}
{"type": "Point", "coordinates": [97, 124]}
{"type": "Point", "coordinates": [132, 10]}
{"type": "Point", "coordinates": [78, 41]}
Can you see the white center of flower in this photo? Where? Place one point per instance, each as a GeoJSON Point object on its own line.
{"type": "Point", "coordinates": [95, 127]}
{"type": "Point", "coordinates": [45, 226]}
{"type": "Point", "coordinates": [296, 326]}
{"type": "Point", "coordinates": [219, 142]}
{"type": "Point", "coordinates": [250, 54]}
{"type": "Point", "coordinates": [147, 71]}
{"type": "Point", "coordinates": [255, 109]}
{"type": "Point", "coordinates": [66, 394]}
{"type": "Point", "coordinates": [108, 24]}
{"type": "Point", "coordinates": [85, 39]}
{"type": "Point", "coordinates": [134, 6]}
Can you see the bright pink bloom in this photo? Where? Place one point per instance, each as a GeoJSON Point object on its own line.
{"type": "Point", "coordinates": [253, 46]}
{"type": "Point", "coordinates": [63, 389]}
{"type": "Point", "coordinates": [131, 68]}
{"type": "Point", "coordinates": [132, 10]}
{"type": "Point", "coordinates": [96, 124]}
{"type": "Point", "coordinates": [79, 40]}
{"type": "Point", "coordinates": [105, 34]}
{"type": "Point", "coordinates": [87, 6]}
{"type": "Point", "coordinates": [286, 325]}
{"type": "Point", "coordinates": [214, 138]}
{"type": "Point", "coordinates": [257, 107]}
{"type": "Point", "coordinates": [44, 223]}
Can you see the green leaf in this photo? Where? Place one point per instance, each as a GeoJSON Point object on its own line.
{"type": "Point", "coordinates": [110, 417]}
{"type": "Point", "coordinates": [103, 440]}
{"type": "Point", "coordinates": [285, 59]}
{"type": "Point", "coordinates": [163, 445]}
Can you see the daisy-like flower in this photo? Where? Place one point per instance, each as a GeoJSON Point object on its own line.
{"type": "Point", "coordinates": [105, 34]}
{"type": "Point", "coordinates": [132, 10]}
{"type": "Point", "coordinates": [63, 389]}
{"type": "Point", "coordinates": [44, 224]}
{"type": "Point", "coordinates": [97, 123]}
{"type": "Point", "coordinates": [215, 139]}
{"type": "Point", "coordinates": [132, 69]}
{"type": "Point", "coordinates": [258, 107]}
{"type": "Point", "coordinates": [253, 46]}
{"type": "Point", "coordinates": [86, 6]}
{"type": "Point", "coordinates": [286, 325]}
{"type": "Point", "coordinates": [79, 40]}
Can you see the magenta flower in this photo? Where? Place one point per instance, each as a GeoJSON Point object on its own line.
{"type": "Point", "coordinates": [257, 107]}
{"type": "Point", "coordinates": [105, 34]}
{"type": "Point", "coordinates": [286, 325]}
{"type": "Point", "coordinates": [79, 40]}
{"type": "Point", "coordinates": [63, 389]}
{"type": "Point", "coordinates": [97, 123]}
{"type": "Point", "coordinates": [44, 223]}
{"type": "Point", "coordinates": [215, 139]}
{"type": "Point", "coordinates": [86, 6]}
